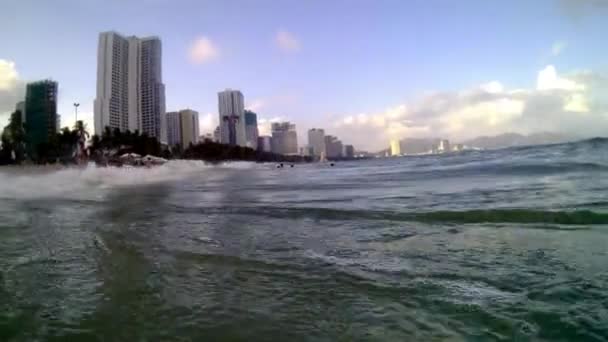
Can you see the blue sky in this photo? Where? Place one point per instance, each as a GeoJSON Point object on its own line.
{"type": "Point", "coordinates": [356, 68]}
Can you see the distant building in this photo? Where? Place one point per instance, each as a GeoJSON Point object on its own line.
{"type": "Point", "coordinates": [216, 134]}
{"type": "Point", "coordinates": [41, 105]}
{"type": "Point", "coordinates": [182, 128]}
{"type": "Point", "coordinates": [349, 151]}
{"type": "Point", "coordinates": [265, 144]}
{"type": "Point", "coordinates": [395, 148]}
{"type": "Point", "coordinates": [284, 138]}
{"type": "Point", "coordinates": [251, 129]}
{"type": "Point", "coordinates": [316, 141]}
{"type": "Point", "coordinates": [458, 147]}
{"type": "Point", "coordinates": [130, 92]}
{"type": "Point", "coordinates": [232, 117]}
{"type": "Point", "coordinates": [306, 151]}
{"type": "Point", "coordinates": [206, 137]}
{"type": "Point", "coordinates": [20, 107]}
{"type": "Point", "coordinates": [444, 146]}
{"type": "Point", "coordinates": [333, 146]}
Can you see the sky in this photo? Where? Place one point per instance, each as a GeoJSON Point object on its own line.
{"type": "Point", "coordinates": [366, 71]}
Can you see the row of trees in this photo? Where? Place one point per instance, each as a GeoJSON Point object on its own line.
{"type": "Point", "coordinates": [63, 146]}
{"type": "Point", "coordinates": [116, 142]}
{"type": "Point", "coordinates": [215, 152]}
{"type": "Point", "coordinates": [68, 146]}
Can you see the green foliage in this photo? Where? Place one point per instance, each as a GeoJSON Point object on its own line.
{"type": "Point", "coordinates": [215, 152]}
{"type": "Point", "coordinates": [125, 142]}
{"type": "Point", "coordinates": [59, 147]}
{"type": "Point", "coordinates": [13, 140]}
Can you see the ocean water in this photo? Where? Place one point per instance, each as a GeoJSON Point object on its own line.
{"type": "Point", "coordinates": [478, 246]}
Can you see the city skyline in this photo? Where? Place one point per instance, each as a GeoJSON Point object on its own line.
{"type": "Point", "coordinates": [386, 84]}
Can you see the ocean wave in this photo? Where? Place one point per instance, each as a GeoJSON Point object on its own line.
{"type": "Point", "coordinates": [498, 168]}
{"type": "Point", "coordinates": [506, 216]}
{"type": "Point", "coordinates": [34, 182]}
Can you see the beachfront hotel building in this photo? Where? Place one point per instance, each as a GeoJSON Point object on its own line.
{"type": "Point", "coordinates": [130, 92]}
{"type": "Point", "coordinates": [231, 105]}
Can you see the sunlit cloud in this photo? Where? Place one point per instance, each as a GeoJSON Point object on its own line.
{"type": "Point", "coordinates": [264, 124]}
{"type": "Point", "coordinates": [548, 79]}
{"type": "Point", "coordinates": [12, 89]}
{"type": "Point", "coordinates": [255, 105]}
{"type": "Point", "coordinates": [287, 42]}
{"type": "Point", "coordinates": [207, 122]}
{"type": "Point", "coordinates": [563, 103]}
{"type": "Point", "coordinates": [202, 51]}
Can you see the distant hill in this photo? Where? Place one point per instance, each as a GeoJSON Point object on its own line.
{"type": "Point", "coordinates": [515, 139]}
{"type": "Point", "coordinates": [424, 145]}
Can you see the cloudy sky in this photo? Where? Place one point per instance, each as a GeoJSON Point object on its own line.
{"type": "Point", "coordinates": [367, 71]}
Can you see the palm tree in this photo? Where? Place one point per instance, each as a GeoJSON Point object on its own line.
{"type": "Point", "coordinates": [13, 137]}
{"type": "Point", "coordinates": [82, 135]}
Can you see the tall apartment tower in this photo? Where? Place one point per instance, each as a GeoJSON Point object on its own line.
{"type": "Point", "coordinates": [251, 129]}
{"type": "Point", "coordinates": [333, 147]}
{"type": "Point", "coordinates": [232, 117]}
{"type": "Point", "coordinates": [182, 128]}
{"type": "Point", "coordinates": [41, 115]}
{"type": "Point", "coordinates": [130, 92]}
{"type": "Point", "coordinates": [316, 141]}
{"type": "Point", "coordinates": [284, 138]}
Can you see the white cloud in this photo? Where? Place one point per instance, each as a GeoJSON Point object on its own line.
{"type": "Point", "coordinates": [493, 87]}
{"type": "Point", "coordinates": [8, 75]}
{"type": "Point", "coordinates": [264, 124]}
{"type": "Point", "coordinates": [577, 103]}
{"type": "Point", "coordinates": [564, 103]}
{"type": "Point", "coordinates": [549, 80]}
{"type": "Point", "coordinates": [207, 123]}
{"type": "Point", "coordinates": [558, 47]}
{"type": "Point", "coordinates": [203, 50]}
{"type": "Point", "coordinates": [287, 42]}
{"type": "Point", "coordinates": [12, 89]}
{"type": "Point", "coordinates": [256, 105]}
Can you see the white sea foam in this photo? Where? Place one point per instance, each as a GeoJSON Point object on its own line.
{"type": "Point", "coordinates": [92, 182]}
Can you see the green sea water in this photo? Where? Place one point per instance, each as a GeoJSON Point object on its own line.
{"type": "Point", "coordinates": [480, 246]}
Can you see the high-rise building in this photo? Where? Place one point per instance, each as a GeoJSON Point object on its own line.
{"type": "Point", "coordinates": [333, 147]}
{"type": "Point", "coordinates": [349, 151]}
{"type": "Point", "coordinates": [130, 92]}
{"type": "Point", "coordinates": [265, 143]}
{"type": "Point", "coordinates": [284, 138]}
{"type": "Point", "coordinates": [20, 107]}
{"type": "Point", "coordinates": [251, 129]}
{"type": "Point", "coordinates": [216, 134]}
{"type": "Point", "coordinates": [232, 117]}
{"type": "Point", "coordinates": [316, 140]}
{"type": "Point", "coordinates": [41, 105]}
{"type": "Point", "coordinates": [306, 151]}
{"type": "Point", "coordinates": [173, 129]}
{"type": "Point", "coordinates": [395, 147]}
{"type": "Point", "coordinates": [182, 128]}
{"type": "Point", "coordinates": [458, 147]}
{"type": "Point", "coordinates": [444, 146]}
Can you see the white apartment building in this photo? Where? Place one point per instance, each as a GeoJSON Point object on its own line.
{"type": "Point", "coordinates": [130, 93]}
{"type": "Point", "coordinates": [182, 128]}
{"type": "Point", "coordinates": [232, 117]}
